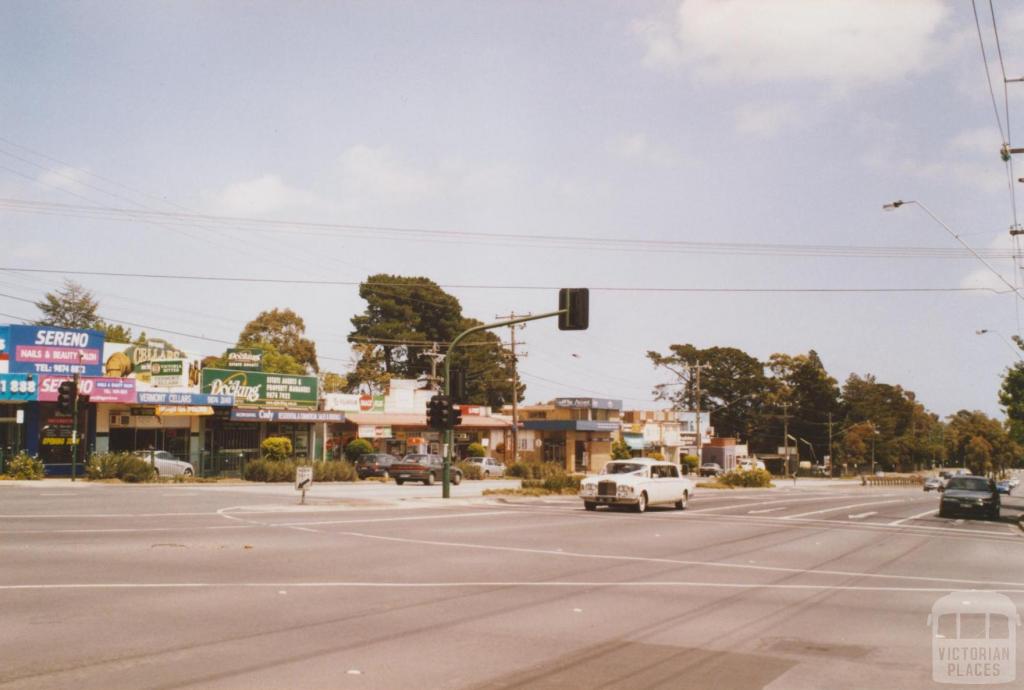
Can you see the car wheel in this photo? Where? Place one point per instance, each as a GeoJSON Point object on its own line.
{"type": "Point", "coordinates": [681, 503]}
{"type": "Point", "coordinates": [589, 505]}
{"type": "Point", "coordinates": [641, 502]}
{"type": "Point", "coordinates": [457, 478]}
{"type": "Point", "coordinates": [943, 512]}
{"type": "Point", "coordinates": [399, 481]}
{"type": "Point", "coordinates": [187, 472]}
{"type": "Point", "coordinates": [487, 475]}
{"type": "Point", "coordinates": [429, 480]}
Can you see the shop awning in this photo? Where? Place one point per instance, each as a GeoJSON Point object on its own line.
{"type": "Point", "coordinates": [420, 420]}
{"type": "Point", "coordinates": [634, 441]}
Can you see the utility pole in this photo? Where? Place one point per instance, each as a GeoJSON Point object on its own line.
{"type": "Point", "coordinates": [515, 380]}
{"type": "Point", "coordinates": [785, 433]}
{"type": "Point", "coordinates": [831, 457]}
{"type": "Point", "coordinates": [700, 439]}
{"type": "Point", "coordinates": [435, 356]}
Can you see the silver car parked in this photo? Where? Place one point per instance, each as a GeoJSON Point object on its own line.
{"type": "Point", "coordinates": [166, 464]}
{"type": "Point", "coordinates": [489, 467]}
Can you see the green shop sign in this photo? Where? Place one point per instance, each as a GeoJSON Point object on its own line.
{"type": "Point", "coordinates": [248, 359]}
{"type": "Point", "coordinates": [261, 389]}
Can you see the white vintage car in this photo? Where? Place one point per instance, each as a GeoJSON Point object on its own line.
{"type": "Point", "coordinates": [637, 482]}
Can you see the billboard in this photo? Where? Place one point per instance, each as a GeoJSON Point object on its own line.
{"type": "Point", "coordinates": [5, 358]}
{"type": "Point", "coordinates": [53, 350]}
{"type": "Point", "coordinates": [98, 389]}
{"type": "Point", "coordinates": [245, 358]}
{"type": "Point", "coordinates": [262, 389]}
{"type": "Point", "coordinates": [134, 360]}
{"type": "Point", "coordinates": [17, 387]}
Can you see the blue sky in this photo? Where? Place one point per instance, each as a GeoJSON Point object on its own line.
{"type": "Point", "coordinates": [736, 121]}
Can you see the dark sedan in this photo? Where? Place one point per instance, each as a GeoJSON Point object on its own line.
{"type": "Point", "coordinates": [375, 465]}
{"type": "Point", "coordinates": [970, 496]}
{"type": "Point", "coordinates": [423, 467]}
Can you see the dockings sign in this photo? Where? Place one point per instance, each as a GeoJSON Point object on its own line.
{"type": "Point", "coordinates": [260, 389]}
{"type": "Point", "coordinates": [247, 359]}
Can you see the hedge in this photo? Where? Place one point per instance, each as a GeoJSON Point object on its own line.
{"type": "Point", "coordinates": [123, 466]}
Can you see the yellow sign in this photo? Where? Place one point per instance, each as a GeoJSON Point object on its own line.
{"type": "Point", "coordinates": [183, 410]}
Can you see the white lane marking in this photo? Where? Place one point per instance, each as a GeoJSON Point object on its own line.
{"type": "Point", "coordinates": [479, 513]}
{"type": "Point", "coordinates": [807, 523]}
{"type": "Point", "coordinates": [765, 510]}
{"type": "Point", "coordinates": [674, 561]}
{"type": "Point", "coordinates": [861, 516]}
{"type": "Point", "coordinates": [775, 501]}
{"type": "Point", "coordinates": [61, 494]}
{"type": "Point", "coordinates": [480, 584]}
{"type": "Point", "coordinates": [832, 510]}
{"type": "Point", "coordinates": [86, 516]}
{"type": "Point", "coordinates": [913, 517]}
{"type": "Point", "coordinates": [122, 530]}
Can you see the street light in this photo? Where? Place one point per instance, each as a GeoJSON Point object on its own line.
{"type": "Point", "coordinates": [896, 204]}
{"type": "Point", "coordinates": [1016, 352]}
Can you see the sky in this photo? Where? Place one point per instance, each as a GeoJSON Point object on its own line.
{"type": "Point", "coordinates": [652, 147]}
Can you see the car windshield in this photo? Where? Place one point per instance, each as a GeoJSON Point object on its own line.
{"type": "Point", "coordinates": [622, 467]}
{"type": "Point", "coordinates": [416, 458]}
{"type": "Point", "coordinates": [969, 484]}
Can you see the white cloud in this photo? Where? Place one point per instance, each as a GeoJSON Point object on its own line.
{"type": "Point", "coordinates": [841, 42]}
{"type": "Point", "coordinates": [766, 119]}
{"type": "Point", "coordinates": [65, 178]}
{"type": "Point", "coordinates": [260, 196]}
{"type": "Point", "coordinates": [374, 176]}
{"type": "Point", "coordinates": [637, 146]}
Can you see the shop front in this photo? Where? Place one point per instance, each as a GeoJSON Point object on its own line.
{"type": "Point", "coordinates": [16, 393]}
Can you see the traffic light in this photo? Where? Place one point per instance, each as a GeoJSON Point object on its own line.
{"type": "Point", "coordinates": [455, 418]}
{"type": "Point", "coordinates": [66, 397]}
{"type": "Point", "coordinates": [457, 385]}
{"type": "Point", "coordinates": [438, 412]}
{"type": "Point", "coordinates": [574, 303]}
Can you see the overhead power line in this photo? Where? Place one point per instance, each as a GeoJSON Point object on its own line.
{"type": "Point", "coordinates": [381, 232]}
{"type": "Point", "coordinates": [487, 286]}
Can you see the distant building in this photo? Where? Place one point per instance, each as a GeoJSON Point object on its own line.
{"type": "Point", "coordinates": [576, 433]}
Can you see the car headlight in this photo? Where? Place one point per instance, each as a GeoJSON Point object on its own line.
{"type": "Point", "coordinates": [624, 491]}
{"type": "Point", "coordinates": [588, 489]}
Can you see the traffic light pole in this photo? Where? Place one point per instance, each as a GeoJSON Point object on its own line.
{"type": "Point", "coordinates": [448, 435]}
{"type": "Point", "coordinates": [74, 431]}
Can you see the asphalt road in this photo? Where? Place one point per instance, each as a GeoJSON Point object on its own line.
{"type": "Point", "coordinates": [214, 586]}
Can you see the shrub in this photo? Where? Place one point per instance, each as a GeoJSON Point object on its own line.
{"type": "Point", "coordinates": [470, 470]}
{"type": "Point", "coordinates": [620, 450]}
{"type": "Point", "coordinates": [533, 470]}
{"type": "Point", "coordinates": [135, 469]}
{"type": "Point", "coordinates": [476, 450]}
{"type": "Point", "coordinates": [749, 478]}
{"type": "Point", "coordinates": [357, 447]}
{"type": "Point", "coordinates": [24, 466]}
{"type": "Point", "coordinates": [692, 462]}
{"type": "Point", "coordinates": [123, 466]}
{"type": "Point", "coordinates": [270, 471]}
{"type": "Point", "coordinates": [334, 471]}
{"type": "Point", "coordinates": [656, 455]}
{"type": "Point", "coordinates": [276, 448]}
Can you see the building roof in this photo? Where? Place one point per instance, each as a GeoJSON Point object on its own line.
{"type": "Point", "coordinates": [420, 420]}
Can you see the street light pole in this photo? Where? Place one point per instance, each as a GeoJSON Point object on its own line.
{"type": "Point", "coordinates": [1016, 352]}
{"type": "Point", "coordinates": [896, 204]}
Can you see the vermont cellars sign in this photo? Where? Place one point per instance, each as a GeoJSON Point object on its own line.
{"type": "Point", "coordinates": [261, 389]}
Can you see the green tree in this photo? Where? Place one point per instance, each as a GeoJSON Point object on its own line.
{"type": "Point", "coordinates": [1011, 397]}
{"type": "Point", "coordinates": [620, 451]}
{"type": "Point", "coordinates": [357, 447]}
{"type": "Point", "coordinates": [965, 426]}
{"type": "Point", "coordinates": [285, 331]}
{"type": "Point", "coordinates": [73, 306]}
{"type": "Point", "coordinates": [405, 317]}
{"type": "Point", "coordinates": [803, 383]}
{"type": "Point", "coordinates": [331, 382]}
{"type": "Point", "coordinates": [733, 386]}
{"type": "Point", "coordinates": [274, 362]}
{"type": "Point", "coordinates": [978, 454]}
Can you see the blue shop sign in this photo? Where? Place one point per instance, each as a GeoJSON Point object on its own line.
{"type": "Point", "coordinates": [18, 387]}
{"type": "Point", "coordinates": [166, 398]}
{"type": "Point", "coordinates": [52, 350]}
